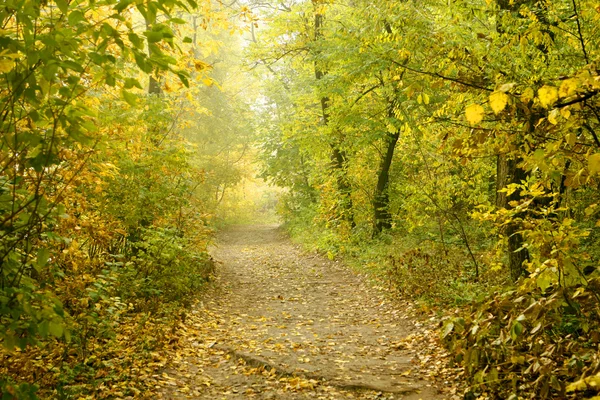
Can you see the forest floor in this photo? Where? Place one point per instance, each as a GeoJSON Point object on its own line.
{"type": "Point", "coordinates": [281, 324]}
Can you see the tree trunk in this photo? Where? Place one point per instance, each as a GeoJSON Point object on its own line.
{"type": "Point", "coordinates": [339, 159]}
{"type": "Point", "coordinates": [507, 172]}
{"type": "Point", "coordinates": [381, 200]}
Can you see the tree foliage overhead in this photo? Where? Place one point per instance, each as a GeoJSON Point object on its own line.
{"type": "Point", "coordinates": [452, 146]}
{"type": "Point", "coordinates": [470, 138]}
{"type": "Point", "coordinates": [105, 195]}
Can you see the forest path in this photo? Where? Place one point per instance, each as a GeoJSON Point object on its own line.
{"type": "Point", "coordinates": [280, 324]}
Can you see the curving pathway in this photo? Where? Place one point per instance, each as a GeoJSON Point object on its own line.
{"type": "Point", "coordinates": [281, 324]}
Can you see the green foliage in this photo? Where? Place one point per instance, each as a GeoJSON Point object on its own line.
{"type": "Point", "coordinates": [103, 213]}
{"type": "Point", "coordinates": [162, 268]}
{"type": "Point", "coordinates": [51, 57]}
{"type": "Point", "coordinates": [11, 390]}
{"type": "Point", "coordinates": [471, 127]}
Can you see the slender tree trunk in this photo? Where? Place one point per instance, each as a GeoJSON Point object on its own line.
{"type": "Point", "coordinates": [508, 172]}
{"type": "Point", "coordinates": [381, 200]}
{"type": "Point", "coordinates": [339, 159]}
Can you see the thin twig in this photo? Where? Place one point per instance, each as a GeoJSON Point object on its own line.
{"type": "Point", "coordinates": [580, 35]}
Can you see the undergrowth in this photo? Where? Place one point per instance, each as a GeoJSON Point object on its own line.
{"type": "Point", "coordinates": [120, 318]}
{"type": "Point", "coordinates": [411, 265]}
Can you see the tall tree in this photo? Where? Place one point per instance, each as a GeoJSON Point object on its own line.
{"type": "Point", "coordinates": [339, 157]}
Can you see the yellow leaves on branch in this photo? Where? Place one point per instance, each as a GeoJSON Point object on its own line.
{"type": "Point", "coordinates": [568, 87]}
{"type": "Point", "coordinates": [498, 101]}
{"type": "Point", "coordinates": [553, 116]}
{"type": "Point", "coordinates": [547, 96]}
{"type": "Point", "coordinates": [201, 66]}
{"type": "Point", "coordinates": [423, 98]}
{"type": "Point", "coordinates": [474, 114]}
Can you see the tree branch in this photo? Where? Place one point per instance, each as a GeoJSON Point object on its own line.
{"type": "Point", "coordinates": [443, 77]}
{"type": "Point", "coordinates": [363, 94]}
{"type": "Point", "coordinates": [578, 99]}
{"type": "Point", "coordinates": [580, 35]}
{"type": "Point", "coordinates": [593, 133]}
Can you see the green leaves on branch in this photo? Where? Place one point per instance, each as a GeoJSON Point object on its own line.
{"type": "Point", "coordinates": [54, 59]}
{"type": "Point", "coordinates": [502, 155]}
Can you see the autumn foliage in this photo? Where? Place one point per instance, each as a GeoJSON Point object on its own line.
{"type": "Point", "coordinates": [449, 148]}
{"type": "Point", "coordinates": [452, 148]}
{"type": "Point", "coordinates": [104, 215]}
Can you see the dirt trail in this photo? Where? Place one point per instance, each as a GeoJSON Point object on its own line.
{"type": "Point", "coordinates": [280, 324]}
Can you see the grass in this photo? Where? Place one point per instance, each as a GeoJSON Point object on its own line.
{"type": "Point", "coordinates": [410, 265]}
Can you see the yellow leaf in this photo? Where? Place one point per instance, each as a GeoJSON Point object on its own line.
{"type": "Point", "coordinates": [585, 384]}
{"type": "Point", "coordinates": [594, 163]}
{"type": "Point", "coordinates": [201, 65]}
{"type": "Point", "coordinates": [498, 101]}
{"type": "Point", "coordinates": [523, 41]}
{"type": "Point", "coordinates": [507, 87]}
{"type": "Point", "coordinates": [590, 209]}
{"type": "Point", "coordinates": [474, 113]}
{"type": "Point", "coordinates": [527, 95]}
{"type": "Point", "coordinates": [547, 95]}
{"type": "Point", "coordinates": [571, 138]}
{"type": "Point", "coordinates": [568, 87]}
{"type": "Point", "coordinates": [552, 116]}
